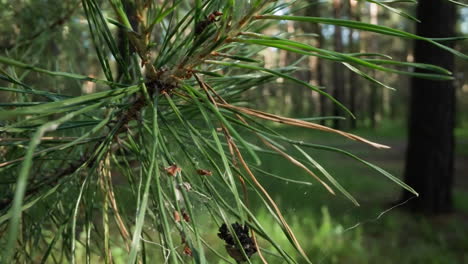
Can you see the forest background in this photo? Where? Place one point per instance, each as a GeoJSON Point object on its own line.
{"type": "Point", "coordinates": [55, 35]}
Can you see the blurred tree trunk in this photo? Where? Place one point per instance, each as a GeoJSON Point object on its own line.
{"type": "Point", "coordinates": [353, 13]}
{"type": "Point", "coordinates": [362, 101]}
{"type": "Point", "coordinates": [283, 104]}
{"type": "Point", "coordinates": [374, 91]}
{"type": "Point", "coordinates": [319, 72]}
{"type": "Point", "coordinates": [316, 67]}
{"type": "Point", "coordinates": [319, 79]}
{"type": "Point", "coordinates": [430, 155]}
{"type": "Point", "coordinates": [297, 92]}
{"type": "Point", "coordinates": [338, 77]}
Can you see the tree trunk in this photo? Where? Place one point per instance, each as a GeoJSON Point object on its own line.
{"type": "Point", "coordinates": [338, 80]}
{"type": "Point", "coordinates": [353, 13]}
{"type": "Point", "coordinates": [374, 89]}
{"type": "Point", "coordinates": [319, 78]}
{"type": "Point", "coordinates": [316, 66]}
{"type": "Point", "coordinates": [430, 154]}
{"type": "Point", "coordinates": [296, 92]}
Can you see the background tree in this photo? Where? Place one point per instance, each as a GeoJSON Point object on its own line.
{"type": "Point", "coordinates": [353, 46]}
{"type": "Point", "coordinates": [316, 64]}
{"type": "Point", "coordinates": [430, 154]}
{"type": "Point", "coordinates": [338, 74]}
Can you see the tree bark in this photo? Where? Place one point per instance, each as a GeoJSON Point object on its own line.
{"type": "Point", "coordinates": [338, 78]}
{"type": "Point", "coordinates": [296, 92]}
{"type": "Point", "coordinates": [316, 67]}
{"type": "Point", "coordinates": [353, 13]}
{"type": "Point", "coordinates": [374, 89]}
{"type": "Point", "coordinates": [430, 153]}
{"type": "Point", "coordinates": [320, 82]}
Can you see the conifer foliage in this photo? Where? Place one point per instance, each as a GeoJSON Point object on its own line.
{"type": "Point", "coordinates": [166, 143]}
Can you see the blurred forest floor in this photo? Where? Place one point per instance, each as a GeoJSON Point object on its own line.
{"type": "Point", "coordinates": [333, 230]}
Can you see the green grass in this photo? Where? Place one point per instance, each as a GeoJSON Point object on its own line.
{"type": "Point", "coordinates": [322, 221]}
